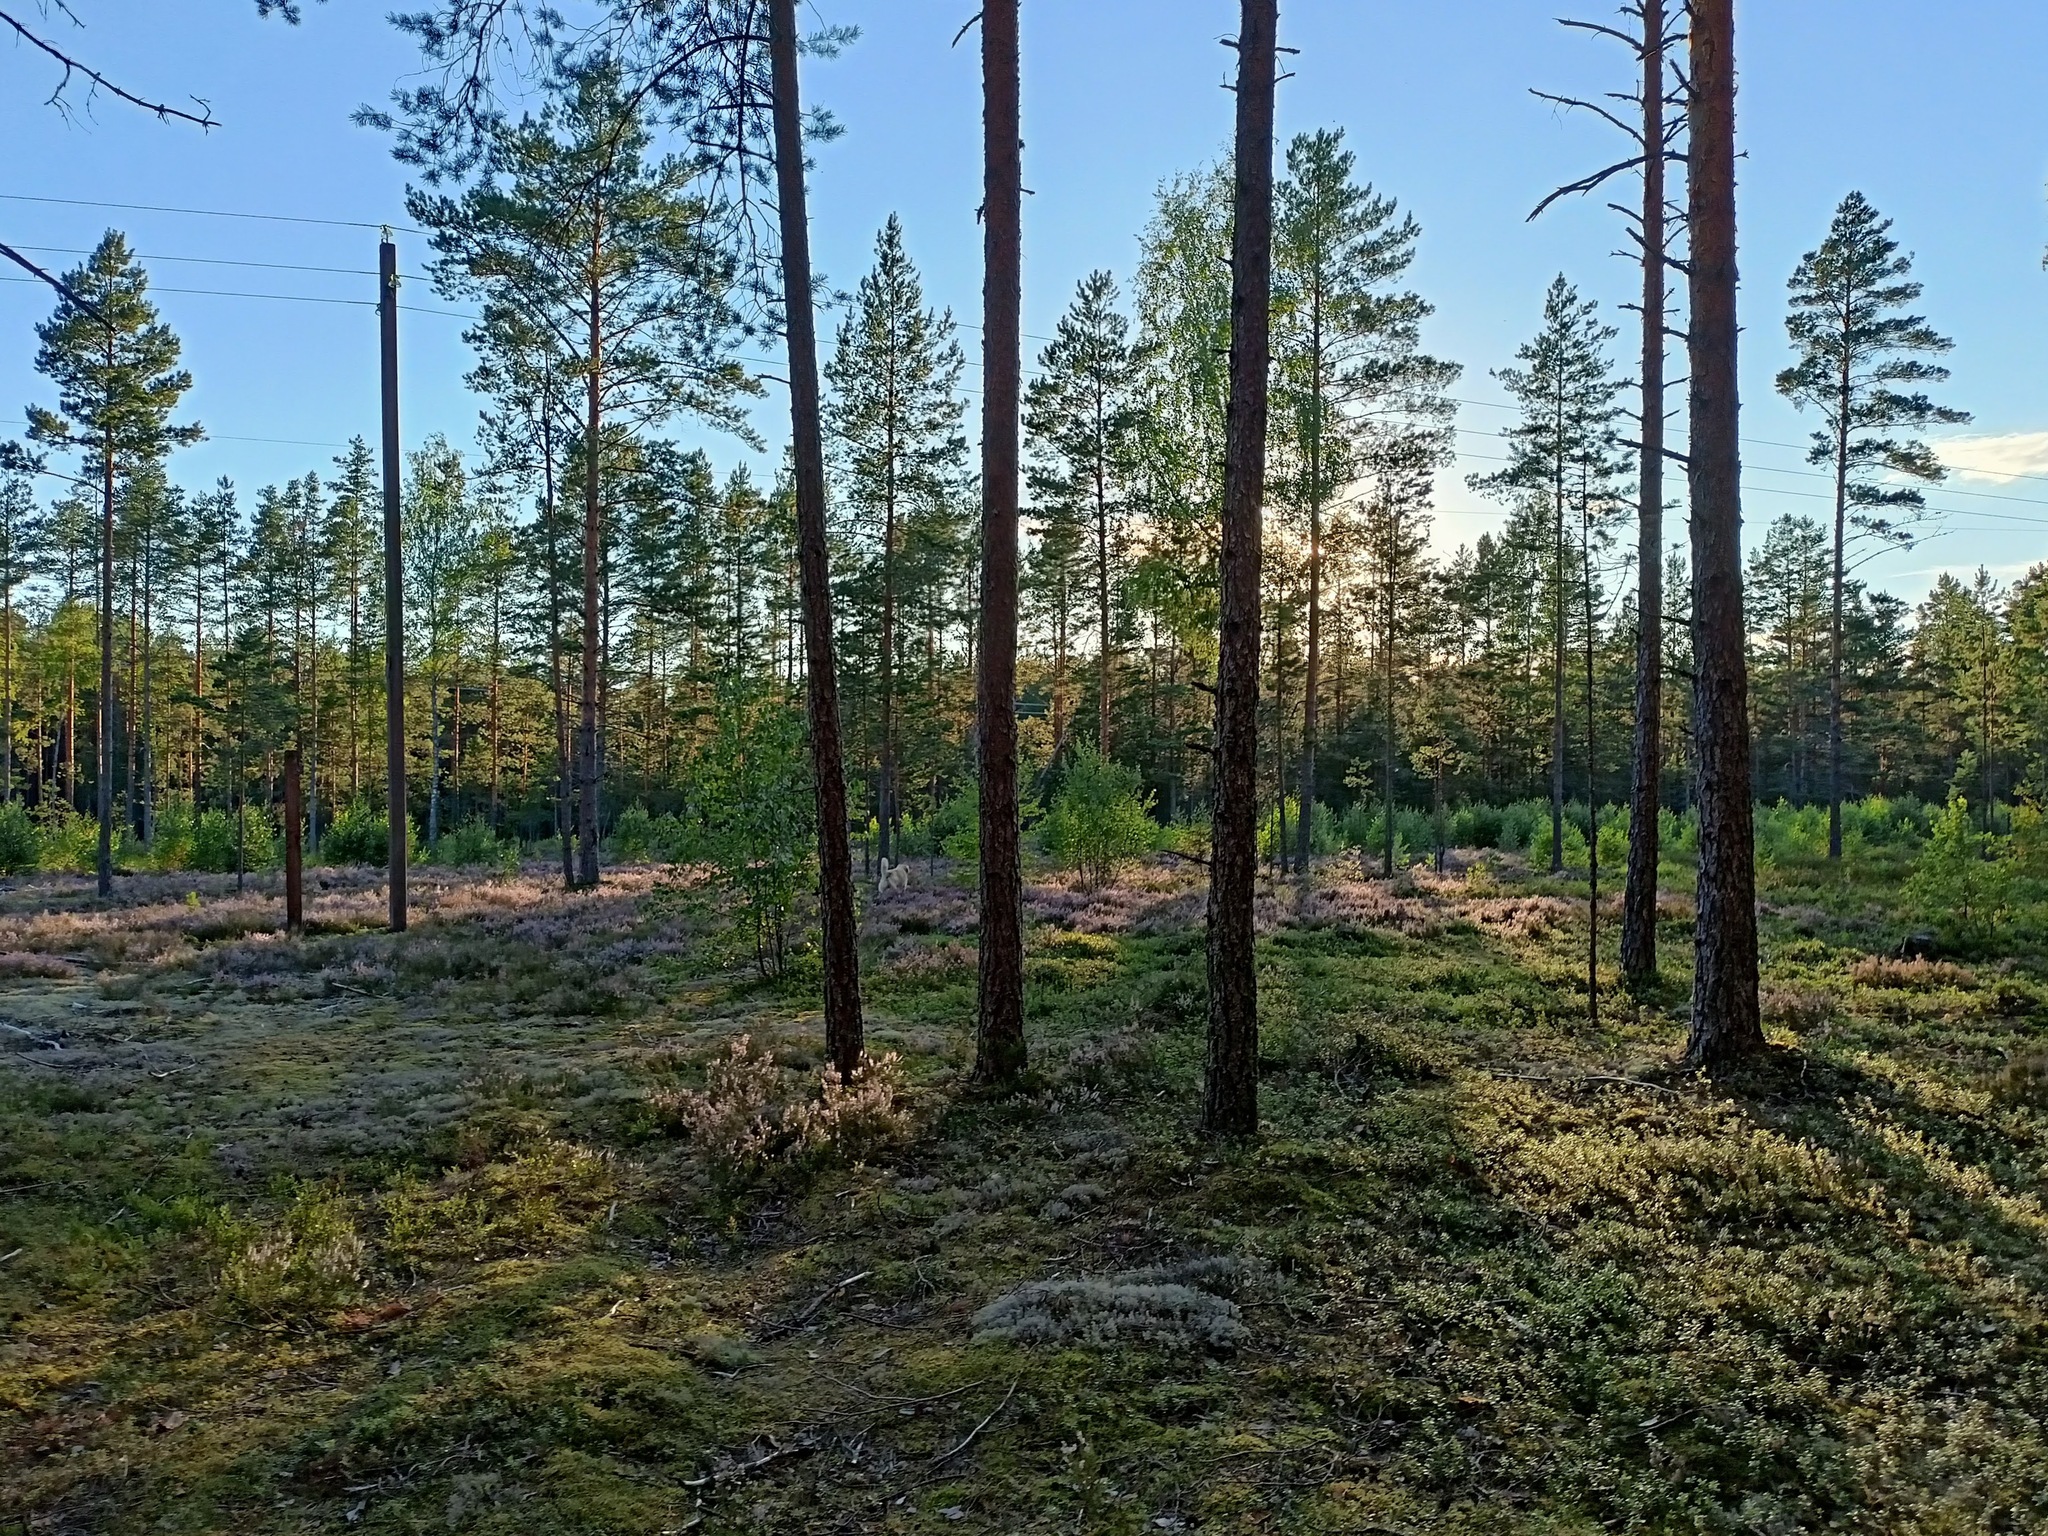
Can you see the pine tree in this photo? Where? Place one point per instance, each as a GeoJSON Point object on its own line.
{"type": "Point", "coordinates": [999, 1050]}
{"type": "Point", "coordinates": [572, 226]}
{"type": "Point", "coordinates": [22, 533]}
{"type": "Point", "coordinates": [351, 549]}
{"type": "Point", "coordinates": [1230, 1089]}
{"type": "Point", "coordinates": [1859, 358]}
{"type": "Point", "coordinates": [118, 381]}
{"type": "Point", "coordinates": [1348, 368]}
{"type": "Point", "coordinates": [895, 419]}
{"type": "Point", "coordinates": [1081, 416]}
{"type": "Point", "coordinates": [1726, 1020]}
{"type": "Point", "coordinates": [1563, 451]}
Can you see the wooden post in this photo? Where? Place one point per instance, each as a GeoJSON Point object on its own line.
{"type": "Point", "coordinates": [294, 862]}
{"type": "Point", "coordinates": [394, 588]}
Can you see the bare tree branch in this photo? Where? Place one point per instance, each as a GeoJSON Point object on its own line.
{"type": "Point", "coordinates": [74, 67]}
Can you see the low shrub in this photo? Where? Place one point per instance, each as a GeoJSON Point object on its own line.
{"type": "Point", "coordinates": [749, 1114]}
{"type": "Point", "coordinates": [219, 835]}
{"type": "Point", "coordinates": [69, 842]}
{"type": "Point", "coordinates": [475, 845]}
{"type": "Point", "coordinates": [20, 847]}
{"type": "Point", "coordinates": [1173, 1306]}
{"type": "Point", "coordinates": [1100, 819]}
{"type": "Point", "coordinates": [311, 1260]}
{"type": "Point", "coordinates": [358, 835]}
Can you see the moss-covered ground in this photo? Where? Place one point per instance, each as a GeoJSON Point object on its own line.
{"type": "Point", "coordinates": [355, 1233]}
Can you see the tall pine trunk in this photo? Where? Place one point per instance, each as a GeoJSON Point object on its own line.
{"type": "Point", "coordinates": [105, 757]}
{"type": "Point", "coordinates": [1835, 616]}
{"type": "Point", "coordinates": [1557, 738]}
{"type": "Point", "coordinates": [1230, 1090]}
{"type": "Point", "coordinates": [593, 512]}
{"type": "Point", "coordinates": [999, 1051]}
{"type": "Point", "coordinates": [1725, 1022]}
{"type": "Point", "coordinates": [844, 1040]}
{"type": "Point", "coordinates": [1312, 687]}
{"type": "Point", "coordinates": [1639, 895]}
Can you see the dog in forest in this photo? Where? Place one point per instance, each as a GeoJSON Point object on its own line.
{"type": "Point", "coordinates": [894, 877]}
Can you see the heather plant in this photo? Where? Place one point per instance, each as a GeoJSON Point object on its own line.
{"type": "Point", "coordinates": [752, 1113]}
{"type": "Point", "coordinates": [1178, 1306]}
{"type": "Point", "coordinates": [311, 1260]}
{"type": "Point", "coordinates": [1100, 818]}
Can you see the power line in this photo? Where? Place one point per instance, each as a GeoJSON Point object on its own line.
{"type": "Point", "coordinates": [223, 261]}
{"type": "Point", "coordinates": [290, 298]}
{"type": "Point", "coordinates": [210, 213]}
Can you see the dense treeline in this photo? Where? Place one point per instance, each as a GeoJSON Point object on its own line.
{"type": "Point", "coordinates": [246, 622]}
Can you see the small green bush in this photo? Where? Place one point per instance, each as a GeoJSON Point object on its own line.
{"type": "Point", "coordinates": [1962, 882]}
{"type": "Point", "coordinates": [20, 848]}
{"type": "Point", "coordinates": [476, 844]}
{"type": "Point", "coordinates": [1099, 819]}
{"type": "Point", "coordinates": [359, 835]}
{"type": "Point", "coordinates": [633, 834]}
{"type": "Point", "coordinates": [217, 832]}
{"type": "Point", "coordinates": [1325, 833]}
{"type": "Point", "coordinates": [70, 842]}
{"type": "Point", "coordinates": [172, 849]}
{"type": "Point", "coordinates": [1477, 826]}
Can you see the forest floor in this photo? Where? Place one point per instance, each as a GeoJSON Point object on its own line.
{"type": "Point", "coordinates": [376, 1234]}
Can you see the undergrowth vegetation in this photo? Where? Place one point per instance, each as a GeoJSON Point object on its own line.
{"type": "Point", "coordinates": [550, 1216]}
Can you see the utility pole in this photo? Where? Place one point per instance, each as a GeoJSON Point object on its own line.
{"type": "Point", "coordinates": [294, 860]}
{"type": "Point", "coordinates": [394, 587]}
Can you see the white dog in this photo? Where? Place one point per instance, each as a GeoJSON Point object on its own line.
{"type": "Point", "coordinates": [894, 877]}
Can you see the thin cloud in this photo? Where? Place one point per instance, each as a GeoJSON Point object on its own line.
{"type": "Point", "coordinates": [1996, 459]}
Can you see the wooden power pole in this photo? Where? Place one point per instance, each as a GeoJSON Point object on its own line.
{"type": "Point", "coordinates": [294, 853]}
{"type": "Point", "coordinates": [394, 587]}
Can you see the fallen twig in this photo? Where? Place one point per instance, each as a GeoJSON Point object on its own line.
{"type": "Point", "coordinates": [817, 1301]}
{"type": "Point", "coordinates": [5, 1257]}
{"type": "Point", "coordinates": [29, 1034]}
{"type": "Point", "coordinates": [903, 1402]}
{"type": "Point", "coordinates": [941, 1460]}
{"type": "Point", "coordinates": [1557, 1081]}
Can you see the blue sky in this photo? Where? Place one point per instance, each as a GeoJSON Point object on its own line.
{"type": "Point", "coordinates": [1934, 112]}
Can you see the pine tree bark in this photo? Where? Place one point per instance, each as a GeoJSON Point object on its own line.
{"type": "Point", "coordinates": [587, 771]}
{"type": "Point", "coordinates": [1230, 1093]}
{"type": "Point", "coordinates": [1725, 1022]}
{"type": "Point", "coordinates": [843, 1032]}
{"type": "Point", "coordinates": [999, 1050]}
{"type": "Point", "coordinates": [105, 759]}
{"type": "Point", "coordinates": [1312, 686]}
{"type": "Point", "coordinates": [1639, 894]}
